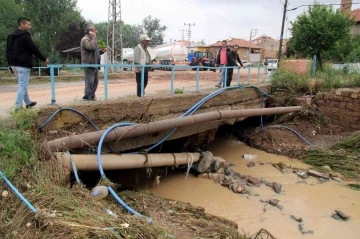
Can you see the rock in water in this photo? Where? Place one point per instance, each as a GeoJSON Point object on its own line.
{"type": "Point", "coordinates": [277, 187]}
{"type": "Point", "coordinates": [251, 164]}
{"type": "Point", "coordinates": [318, 174]}
{"type": "Point", "coordinates": [205, 163]}
{"type": "Point", "coordinates": [274, 202]}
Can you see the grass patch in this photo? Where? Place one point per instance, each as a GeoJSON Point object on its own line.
{"type": "Point", "coordinates": [179, 91]}
{"type": "Point", "coordinates": [343, 157]}
{"type": "Point", "coordinates": [17, 143]}
{"type": "Point", "coordinates": [325, 79]}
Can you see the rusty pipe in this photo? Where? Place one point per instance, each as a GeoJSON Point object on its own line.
{"type": "Point", "coordinates": [92, 138]}
{"type": "Point", "coordinates": [88, 162]}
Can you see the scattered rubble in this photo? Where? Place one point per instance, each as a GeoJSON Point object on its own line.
{"type": "Point", "coordinates": [301, 229]}
{"type": "Point", "coordinates": [251, 164]}
{"type": "Point", "coordinates": [5, 194]}
{"type": "Point", "coordinates": [277, 187]}
{"type": "Point", "coordinates": [249, 156]}
{"type": "Point", "coordinates": [296, 219]}
{"type": "Point", "coordinates": [274, 202]}
{"type": "Point", "coordinates": [340, 215]}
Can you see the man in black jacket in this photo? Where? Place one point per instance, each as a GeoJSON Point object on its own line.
{"type": "Point", "coordinates": [233, 59]}
{"type": "Point", "coordinates": [19, 51]}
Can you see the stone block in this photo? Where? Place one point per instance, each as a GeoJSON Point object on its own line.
{"type": "Point", "coordinates": [335, 104]}
{"type": "Point", "coordinates": [355, 126]}
{"type": "Point", "coordinates": [330, 97]}
{"type": "Point", "coordinates": [354, 95]}
{"type": "Point", "coordinates": [326, 96]}
{"type": "Point", "coordinates": [349, 106]}
{"type": "Point", "coordinates": [319, 96]}
{"type": "Point", "coordinates": [303, 101]}
{"type": "Point", "coordinates": [338, 98]}
{"type": "Point", "coordinates": [338, 92]}
{"type": "Point", "coordinates": [342, 105]}
{"type": "Point", "coordinates": [348, 99]}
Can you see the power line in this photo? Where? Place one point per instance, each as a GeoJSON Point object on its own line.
{"type": "Point", "coordinates": [183, 34]}
{"type": "Point", "coordinates": [332, 4]}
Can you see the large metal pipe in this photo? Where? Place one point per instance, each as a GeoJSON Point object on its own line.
{"type": "Point", "coordinates": [88, 162]}
{"type": "Point", "coordinates": [92, 138]}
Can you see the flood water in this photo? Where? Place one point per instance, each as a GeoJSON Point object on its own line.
{"type": "Point", "coordinates": [313, 202]}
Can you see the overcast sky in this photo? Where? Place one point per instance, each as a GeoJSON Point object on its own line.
{"type": "Point", "coordinates": [214, 19]}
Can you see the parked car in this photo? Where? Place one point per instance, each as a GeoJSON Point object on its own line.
{"type": "Point", "coordinates": [246, 63]}
{"type": "Point", "coordinates": [272, 64]}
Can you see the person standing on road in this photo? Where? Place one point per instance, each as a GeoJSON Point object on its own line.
{"type": "Point", "coordinates": [90, 54]}
{"type": "Point", "coordinates": [221, 61]}
{"type": "Point", "coordinates": [19, 51]}
{"type": "Point", "coordinates": [142, 57]}
{"type": "Point", "coordinates": [233, 59]}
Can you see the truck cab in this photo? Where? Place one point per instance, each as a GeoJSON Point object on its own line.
{"type": "Point", "coordinates": [272, 64]}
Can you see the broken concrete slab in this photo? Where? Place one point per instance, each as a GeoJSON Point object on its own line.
{"type": "Point", "coordinates": [318, 174]}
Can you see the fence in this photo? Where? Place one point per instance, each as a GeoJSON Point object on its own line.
{"type": "Point", "coordinates": [107, 67]}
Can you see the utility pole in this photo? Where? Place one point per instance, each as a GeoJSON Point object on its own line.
{"type": "Point", "coordinates": [253, 32]}
{"type": "Point", "coordinates": [189, 32]}
{"type": "Point", "coordinates": [114, 32]}
{"type": "Point", "coordinates": [183, 34]}
{"type": "Point", "coordinates": [282, 30]}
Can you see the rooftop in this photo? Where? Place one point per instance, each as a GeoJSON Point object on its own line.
{"type": "Point", "coordinates": [237, 41]}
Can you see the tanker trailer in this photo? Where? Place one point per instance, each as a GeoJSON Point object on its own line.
{"type": "Point", "coordinates": [171, 54]}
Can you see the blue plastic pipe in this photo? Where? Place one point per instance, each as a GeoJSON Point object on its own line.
{"type": "Point", "coordinates": [22, 198]}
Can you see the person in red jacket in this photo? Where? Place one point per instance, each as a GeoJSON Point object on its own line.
{"type": "Point", "coordinates": [19, 51]}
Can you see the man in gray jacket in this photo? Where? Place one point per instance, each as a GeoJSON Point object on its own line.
{"type": "Point", "coordinates": [90, 54]}
{"type": "Point", "coordinates": [142, 57]}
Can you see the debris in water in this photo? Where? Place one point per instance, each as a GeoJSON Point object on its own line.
{"type": "Point", "coordinates": [342, 215]}
{"type": "Point", "coordinates": [157, 180]}
{"type": "Point", "coordinates": [249, 156]}
{"type": "Point", "coordinates": [274, 202]}
{"type": "Point", "coordinates": [301, 229]}
{"type": "Point", "coordinates": [280, 207]}
{"type": "Point", "coordinates": [277, 187]}
{"type": "Point", "coordinates": [254, 181]}
{"type": "Point", "coordinates": [337, 179]}
{"type": "Point", "coordinates": [264, 201]}
{"type": "Point", "coordinates": [296, 219]}
{"type": "Point", "coordinates": [326, 167]}
{"type": "Point", "coordinates": [205, 162]}
{"type": "Point", "coordinates": [322, 180]}
{"type": "Point", "coordinates": [5, 194]}
{"type": "Point", "coordinates": [336, 217]}
{"type": "Point", "coordinates": [302, 175]}
{"type": "Point", "coordinates": [251, 164]}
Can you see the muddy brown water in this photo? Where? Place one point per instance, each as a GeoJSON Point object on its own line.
{"type": "Point", "coordinates": [313, 202]}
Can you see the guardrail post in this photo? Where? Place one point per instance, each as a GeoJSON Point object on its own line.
{"type": "Point", "coordinates": [238, 76]}
{"type": "Point", "coordinates": [271, 75]}
{"type": "Point", "coordinates": [39, 71]}
{"type": "Point", "coordinates": [58, 71]}
{"type": "Point", "coordinates": [142, 80]}
{"type": "Point", "coordinates": [197, 78]}
{"type": "Point", "coordinates": [249, 75]}
{"type": "Point", "coordinates": [266, 72]}
{"type": "Point", "coordinates": [225, 76]}
{"type": "Point", "coordinates": [52, 78]}
{"type": "Point", "coordinates": [259, 75]}
{"type": "Point", "coordinates": [105, 82]}
{"type": "Point", "coordinates": [172, 80]}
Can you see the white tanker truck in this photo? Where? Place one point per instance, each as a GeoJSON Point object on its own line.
{"type": "Point", "coordinates": [166, 54]}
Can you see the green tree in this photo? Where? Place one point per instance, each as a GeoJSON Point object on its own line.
{"type": "Point", "coordinates": [319, 30]}
{"type": "Point", "coordinates": [50, 18]}
{"type": "Point", "coordinates": [9, 13]}
{"type": "Point", "coordinates": [154, 30]}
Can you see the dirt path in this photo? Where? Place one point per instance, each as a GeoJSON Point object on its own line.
{"type": "Point", "coordinates": [159, 83]}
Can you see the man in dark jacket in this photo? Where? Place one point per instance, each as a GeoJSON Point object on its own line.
{"type": "Point", "coordinates": [19, 51]}
{"type": "Point", "coordinates": [233, 59]}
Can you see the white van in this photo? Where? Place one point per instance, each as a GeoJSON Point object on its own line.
{"type": "Point", "coordinates": [272, 64]}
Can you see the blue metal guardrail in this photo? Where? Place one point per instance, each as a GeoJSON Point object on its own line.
{"type": "Point", "coordinates": [172, 67]}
